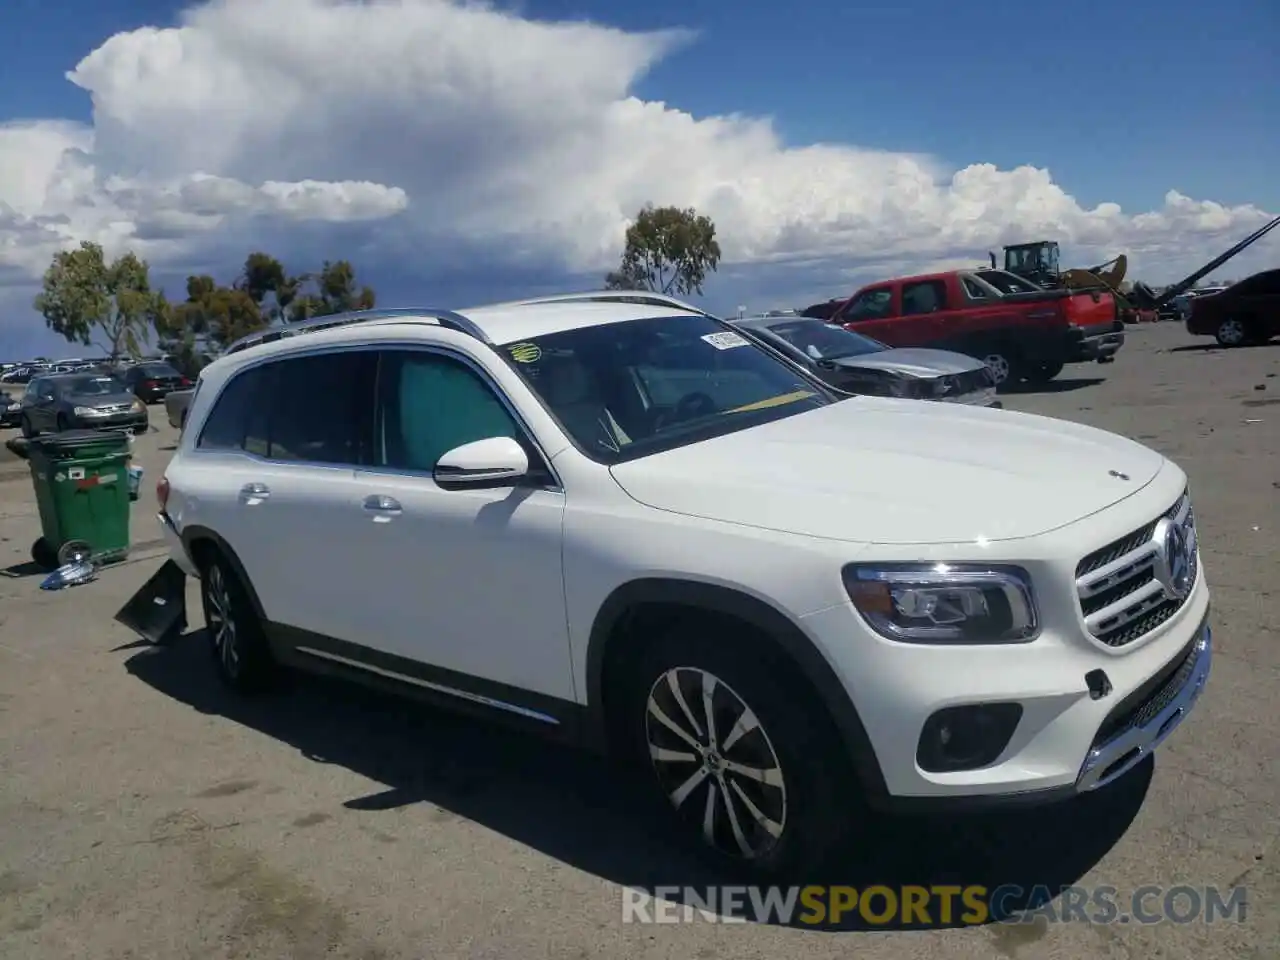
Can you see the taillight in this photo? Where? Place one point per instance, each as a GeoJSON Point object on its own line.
{"type": "Point", "coordinates": [148, 383]}
{"type": "Point", "coordinates": [186, 382]}
{"type": "Point", "coordinates": [162, 492]}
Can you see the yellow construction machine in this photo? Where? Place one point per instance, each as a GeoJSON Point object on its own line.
{"type": "Point", "coordinates": [1038, 262]}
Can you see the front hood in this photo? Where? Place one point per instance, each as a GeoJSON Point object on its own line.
{"type": "Point", "coordinates": [875, 470]}
{"type": "Point", "coordinates": [913, 362]}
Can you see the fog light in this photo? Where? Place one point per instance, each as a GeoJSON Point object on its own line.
{"type": "Point", "coordinates": [966, 737]}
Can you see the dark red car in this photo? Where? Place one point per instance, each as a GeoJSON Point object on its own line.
{"type": "Point", "coordinates": [1245, 313]}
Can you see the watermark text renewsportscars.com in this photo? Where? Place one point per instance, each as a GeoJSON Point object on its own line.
{"type": "Point", "coordinates": [937, 905]}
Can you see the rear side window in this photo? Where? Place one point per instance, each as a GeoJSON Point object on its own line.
{"type": "Point", "coordinates": [224, 429]}
{"type": "Point", "coordinates": [315, 409]}
{"type": "Point", "coordinates": [923, 296]}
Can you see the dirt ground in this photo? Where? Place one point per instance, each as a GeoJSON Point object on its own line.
{"type": "Point", "coordinates": [144, 813]}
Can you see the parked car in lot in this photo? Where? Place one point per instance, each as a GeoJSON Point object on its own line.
{"type": "Point", "coordinates": [1245, 313]}
{"type": "Point", "coordinates": [10, 409]}
{"type": "Point", "coordinates": [175, 406]}
{"type": "Point", "coordinates": [152, 381]}
{"type": "Point", "coordinates": [856, 364]}
{"type": "Point", "coordinates": [80, 401]}
{"type": "Point", "coordinates": [1022, 332]}
{"type": "Point", "coordinates": [616, 520]}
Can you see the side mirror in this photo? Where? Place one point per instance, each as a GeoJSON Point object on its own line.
{"type": "Point", "coordinates": [492, 462]}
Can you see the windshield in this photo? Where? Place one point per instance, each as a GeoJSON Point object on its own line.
{"type": "Point", "coordinates": [626, 390]}
{"type": "Point", "coordinates": [823, 341]}
{"type": "Point", "coordinates": [92, 386]}
{"type": "Point", "coordinates": [1007, 282]}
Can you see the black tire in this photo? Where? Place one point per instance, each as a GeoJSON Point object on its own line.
{"type": "Point", "coordinates": [61, 423]}
{"type": "Point", "coordinates": [28, 431]}
{"type": "Point", "coordinates": [237, 644]}
{"type": "Point", "coordinates": [43, 555]}
{"type": "Point", "coordinates": [1042, 372]}
{"type": "Point", "coordinates": [814, 801]}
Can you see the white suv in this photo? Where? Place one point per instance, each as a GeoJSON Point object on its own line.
{"type": "Point", "coordinates": [612, 518]}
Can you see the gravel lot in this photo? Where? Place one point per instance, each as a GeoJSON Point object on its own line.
{"type": "Point", "coordinates": [145, 814]}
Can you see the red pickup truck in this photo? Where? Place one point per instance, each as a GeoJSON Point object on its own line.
{"type": "Point", "coordinates": [1021, 331]}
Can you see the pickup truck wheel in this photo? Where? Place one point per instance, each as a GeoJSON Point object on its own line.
{"type": "Point", "coordinates": [1231, 333]}
{"type": "Point", "coordinates": [1042, 372]}
{"type": "Point", "coordinates": [1003, 366]}
{"type": "Point", "coordinates": [237, 642]}
{"type": "Point", "coordinates": [740, 755]}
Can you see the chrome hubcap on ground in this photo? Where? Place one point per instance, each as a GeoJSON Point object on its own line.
{"type": "Point", "coordinates": [715, 762]}
{"type": "Point", "coordinates": [999, 367]}
{"type": "Point", "coordinates": [1231, 331]}
{"type": "Point", "coordinates": [222, 628]}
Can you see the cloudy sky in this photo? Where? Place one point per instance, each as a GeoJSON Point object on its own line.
{"type": "Point", "coordinates": [461, 152]}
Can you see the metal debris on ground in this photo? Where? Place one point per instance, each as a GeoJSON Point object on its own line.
{"type": "Point", "coordinates": [70, 575]}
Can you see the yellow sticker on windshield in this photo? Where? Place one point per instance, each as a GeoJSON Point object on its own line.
{"type": "Point", "coordinates": [526, 353]}
{"type": "Point", "coordinates": [773, 402]}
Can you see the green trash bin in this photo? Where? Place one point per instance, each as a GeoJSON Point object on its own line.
{"type": "Point", "coordinates": [82, 489]}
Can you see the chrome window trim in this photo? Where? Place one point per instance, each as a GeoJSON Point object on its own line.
{"type": "Point", "coordinates": [555, 486]}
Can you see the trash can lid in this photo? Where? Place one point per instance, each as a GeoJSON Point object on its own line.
{"type": "Point", "coordinates": [69, 441]}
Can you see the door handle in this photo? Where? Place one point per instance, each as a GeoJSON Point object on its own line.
{"type": "Point", "coordinates": [254, 493]}
{"type": "Point", "coordinates": [379, 503]}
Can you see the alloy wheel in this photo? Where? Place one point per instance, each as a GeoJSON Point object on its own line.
{"type": "Point", "coordinates": [715, 762]}
{"type": "Point", "coordinates": [998, 364]}
{"type": "Point", "coordinates": [1231, 333]}
{"type": "Point", "coordinates": [221, 622]}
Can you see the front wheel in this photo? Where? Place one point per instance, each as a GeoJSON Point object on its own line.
{"type": "Point", "coordinates": [1231, 333]}
{"type": "Point", "coordinates": [237, 642]}
{"type": "Point", "coordinates": [61, 423]}
{"type": "Point", "coordinates": [28, 430]}
{"type": "Point", "coordinates": [749, 765]}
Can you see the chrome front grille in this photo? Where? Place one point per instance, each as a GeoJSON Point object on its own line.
{"type": "Point", "coordinates": [115, 408]}
{"type": "Point", "coordinates": [1125, 588]}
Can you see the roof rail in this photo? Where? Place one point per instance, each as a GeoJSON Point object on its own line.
{"type": "Point", "coordinates": [446, 318]}
{"type": "Point", "coordinates": [643, 297]}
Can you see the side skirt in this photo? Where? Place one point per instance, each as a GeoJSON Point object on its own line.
{"type": "Point", "coordinates": [549, 717]}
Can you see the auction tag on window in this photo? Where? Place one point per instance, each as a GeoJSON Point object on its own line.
{"type": "Point", "coordinates": [726, 340]}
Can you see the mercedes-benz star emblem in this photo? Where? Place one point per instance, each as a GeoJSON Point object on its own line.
{"type": "Point", "coordinates": [1118, 475]}
{"type": "Point", "coordinates": [1173, 558]}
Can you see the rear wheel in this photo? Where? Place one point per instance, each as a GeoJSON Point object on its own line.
{"type": "Point", "coordinates": [752, 769]}
{"type": "Point", "coordinates": [1004, 366]}
{"type": "Point", "coordinates": [1043, 372]}
{"type": "Point", "coordinates": [237, 642]}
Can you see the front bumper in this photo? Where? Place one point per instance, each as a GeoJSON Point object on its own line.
{"type": "Point", "coordinates": [1068, 741]}
{"type": "Point", "coordinates": [10, 418]}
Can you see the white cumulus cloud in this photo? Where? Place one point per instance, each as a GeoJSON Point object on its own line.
{"type": "Point", "coordinates": [415, 129]}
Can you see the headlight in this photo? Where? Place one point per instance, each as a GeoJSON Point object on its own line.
{"type": "Point", "coordinates": [138, 404]}
{"type": "Point", "coordinates": [945, 603]}
{"type": "Point", "coordinates": [943, 387]}
{"type": "Point", "coordinates": [15, 406]}
{"type": "Point", "coordinates": [87, 412]}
